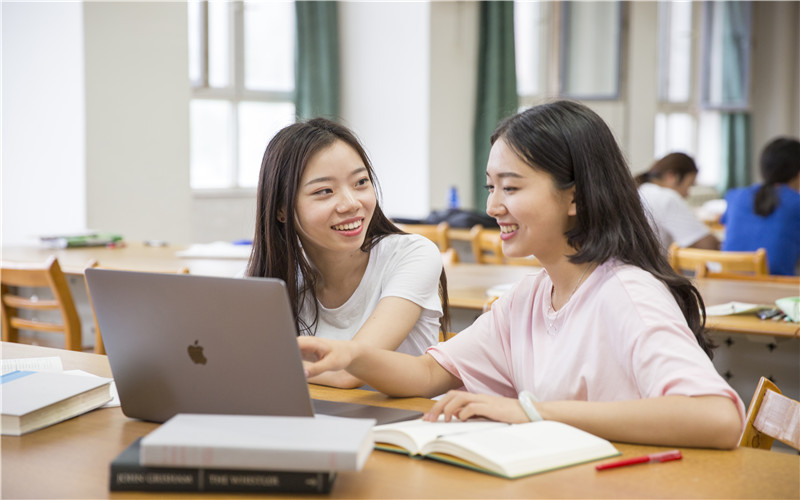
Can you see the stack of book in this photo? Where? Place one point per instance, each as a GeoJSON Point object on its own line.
{"type": "Point", "coordinates": [33, 400]}
{"type": "Point", "coordinates": [243, 453]}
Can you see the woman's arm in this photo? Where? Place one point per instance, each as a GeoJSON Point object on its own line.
{"type": "Point", "coordinates": [390, 372]}
{"type": "Point", "coordinates": [387, 327]}
{"type": "Point", "coordinates": [698, 421]}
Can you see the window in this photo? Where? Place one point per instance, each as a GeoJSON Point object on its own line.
{"type": "Point", "coordinates": [690, 109]}
{"type": "Point", "coordinates": [241, 68]}
{"type": "Point", "coordinates": [591, 37]}
{"type": "Point", "coordinates": [530, 29]}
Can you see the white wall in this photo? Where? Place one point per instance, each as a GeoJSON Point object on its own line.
{"type": "Point", "coordinates": [453, 84]}
{"type": "Point", "coordinates": [43, 156]}
{"type": "Point", "coordinates": [385, 96]}
{"type": "Point", "coordinates": [137, 120]}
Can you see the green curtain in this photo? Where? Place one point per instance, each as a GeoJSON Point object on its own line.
{"type": "Point", "coordinates": [735, 146]}
{"type": "Point", "coordinates": [497, 84]}
{"type": "Point", "coordinates": [317, 60]}
{"type": "Point", "coordinates": [735, 128]}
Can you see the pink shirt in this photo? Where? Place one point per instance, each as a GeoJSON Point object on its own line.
{"type": "Point", "coordinates": [621, 336]}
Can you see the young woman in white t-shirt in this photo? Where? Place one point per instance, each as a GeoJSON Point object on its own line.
{"type": "Point", "coordinates": [607, 338]}
{"type": "Point", "coordinates": [350, 272]}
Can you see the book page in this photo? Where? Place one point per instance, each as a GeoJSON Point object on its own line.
{"type": "Point", "coordinates": [732, 308]}
{"type": "Point", "coordinates": [521, 449]}
{"type": "Point", "coordinates": [414, 434]}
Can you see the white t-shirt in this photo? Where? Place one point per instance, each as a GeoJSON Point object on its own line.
{"type": "Point", "coordinates": [621, 337]}
{"type": "Point", "coordinates": [400, 265]}
{"type": "Point", "coordinates": [670, 216]}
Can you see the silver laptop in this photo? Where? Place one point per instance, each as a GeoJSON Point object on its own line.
{"type": "Point", "coordinates": [181, 343]}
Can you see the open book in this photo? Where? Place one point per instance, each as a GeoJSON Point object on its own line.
{"type": "Point", "coordinates": [506, 450]}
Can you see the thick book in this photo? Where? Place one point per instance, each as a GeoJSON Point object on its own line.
{"type": "Point", "coordinates": [33, 400]}
{"type": "Point", "coordinates": [259, 442]}
{"type": "Point", "coordinates": [505, 450]}
{"type": "Point", "coordinates": [127, 474]}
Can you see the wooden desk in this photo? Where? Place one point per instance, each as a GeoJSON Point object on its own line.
{"type": "Point", "coordinates": [719, 291]}
{"type": "Point", "coordinates": [133, 256]}
{"type": "Point", "coordinates": [71, 460]}
{"type": "Point", "coordinates": [467, 285]}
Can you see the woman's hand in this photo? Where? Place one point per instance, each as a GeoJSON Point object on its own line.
{"type": "Point", "coordinates": [463, 405]}
{"type": "Point", "coordinates": [323, 355]}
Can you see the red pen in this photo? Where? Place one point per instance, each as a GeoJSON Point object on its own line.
{"type": "Point", "coordinates": [664, 456]}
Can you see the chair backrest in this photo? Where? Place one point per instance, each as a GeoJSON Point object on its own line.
{"type": "Point", "coordinates": [99, 347]}
{"type": "Point", "coordinates": [697, 260]}
{"type": "Point", "coordinates": [14, 276]}
{"type": "Point", "coordinates": [487, 248]}
{"type": "Point", "coordinates": [437, 233]}
{"type": "Point", "coordinates": [771, 416]}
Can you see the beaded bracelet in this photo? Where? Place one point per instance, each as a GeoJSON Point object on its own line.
{"type": "Point", "coordinates": [526, 399]}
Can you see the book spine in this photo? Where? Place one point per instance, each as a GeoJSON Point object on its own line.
{"type": "Point", "coordinates": [155, 455]}
{"type": "Point", "coordinates": [175, 479]}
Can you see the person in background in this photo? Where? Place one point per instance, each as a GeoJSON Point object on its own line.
{"type": "Point", "coordinates": [663, 190]}
{"type": "Point", "coordinates": [350, 272]}
{"type": "Point", "coordinates": [767, 215]}
{"type": "Point", "coordinates": [607, 337]}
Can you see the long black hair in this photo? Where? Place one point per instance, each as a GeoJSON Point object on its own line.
{"type": "Point", "coordinates": [575, 146]}
{"type": "Point", "coordinates": [277, 251]}
{"type": "Point", "coordinates": [780, 163]}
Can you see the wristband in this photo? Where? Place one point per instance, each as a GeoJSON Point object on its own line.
{"type": "Point", "coordinates": [526, 399]}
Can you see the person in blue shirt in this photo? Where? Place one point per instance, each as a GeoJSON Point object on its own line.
{"type": "Point", "coordinates": [767, 215]}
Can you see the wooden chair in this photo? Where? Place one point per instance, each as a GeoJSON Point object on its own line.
{"type": "Point", "coordinates": [99, 347]}
{"type": "Point", "coordinates": [771, 416]}
{"type": "Point", "coordinates": [38, 276]}
{"type": "Point", "coordinates": [697, 260]}
{"type": "Point", "coordinates": [487, 248]}
{"type": "Point", "coordinates": [437, 233]}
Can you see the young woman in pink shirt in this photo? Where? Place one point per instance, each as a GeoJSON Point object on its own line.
{"type": "Point", "coordinates": [606, 338]}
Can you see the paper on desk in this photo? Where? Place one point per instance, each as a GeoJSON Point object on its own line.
{"type": "Point", "coordinates": [733, 308]}
{"type": "Point", "coordinates": [499, 290]}
{"type": "Point", "coordinates": [216, 250]}
{"type": "Point", "coordinates": [45, 364]}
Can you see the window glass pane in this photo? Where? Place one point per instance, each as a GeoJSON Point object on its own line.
{"type": "Point", "coordinates": [269, 46]}
{"type": "Point", "coordinates": [726, 55]}
{"type": "Point", "coordinates": [527, 33]}
{"type": "Point", "coordinates": [674, 132]}
{"type": "Point", "coordinates": [675, 62]}
{"type": "Point", "coordinates": [219, 44]}
{"type": "Point", "coordinates": [590, 64]}
{"type": "Point", "coordinates": [195, 43]}
{"type": "Point", "coordinates": [258, 122]}
{"type": "Point", "coordinates": [210, 138]}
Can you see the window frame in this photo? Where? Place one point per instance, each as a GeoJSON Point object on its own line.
{"type": "Point", "coordinates": [234, 94]}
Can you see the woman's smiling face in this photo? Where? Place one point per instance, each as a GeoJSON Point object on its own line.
{"type": "Point", "coordinates": [532, 213]}
{"type": "Point", "coordinates": [335, 201]}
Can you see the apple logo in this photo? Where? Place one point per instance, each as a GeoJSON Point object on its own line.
{"type": "Point", "coordinates": [196, 353]}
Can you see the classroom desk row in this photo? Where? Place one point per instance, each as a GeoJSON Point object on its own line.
{"type": "Point", "coordinates": [467, 286]}
{"type": "Point", "coordinates": [467, 283]}
{"type": "Point", "coordinates": [71, 460]}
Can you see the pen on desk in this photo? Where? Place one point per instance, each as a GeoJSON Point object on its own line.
{"type": "Point", "coordinates": [664, 456]}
